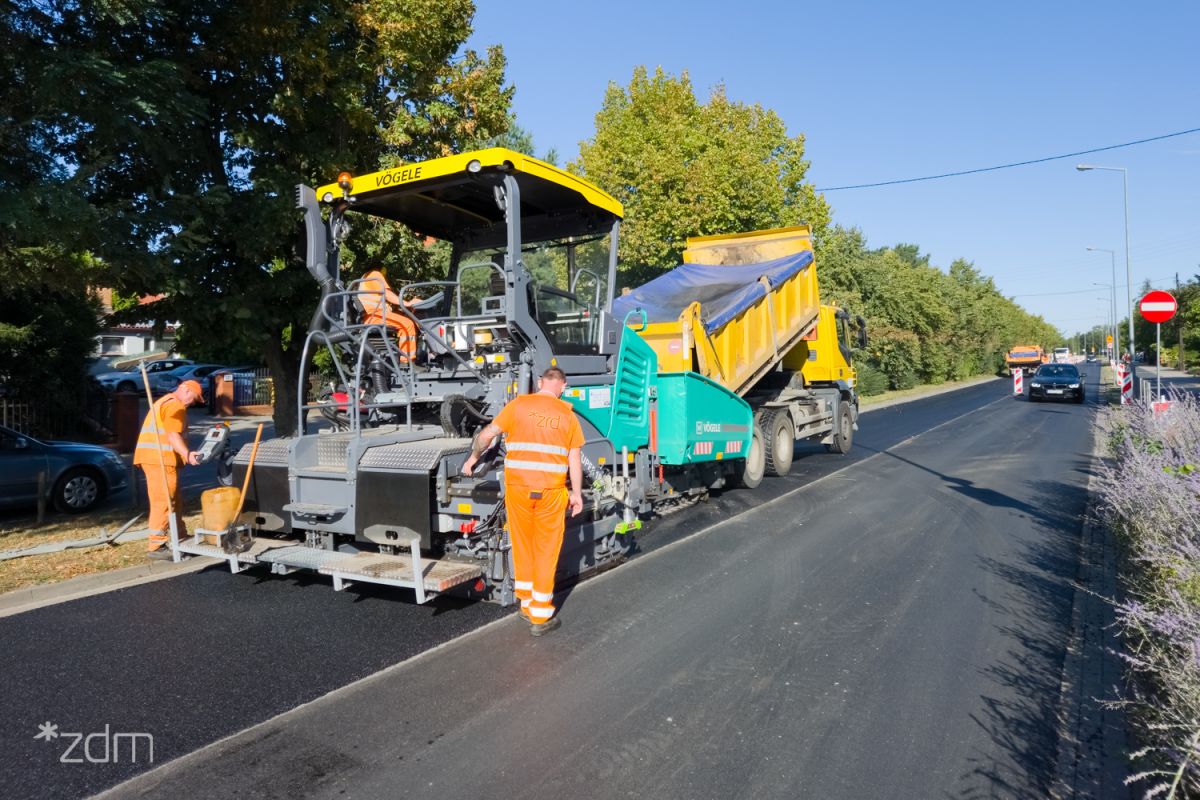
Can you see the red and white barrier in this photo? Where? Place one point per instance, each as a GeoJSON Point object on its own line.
{"type": "Point", "coordinates": [1018, 382]}
{"type": "Point", "coordinates": [1125, 381]}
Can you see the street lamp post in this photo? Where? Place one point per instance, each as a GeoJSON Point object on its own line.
{"type": "Point", "coordinates": [1112, 256]}
{"type": "Point", "coordinates": [1112, 318]}
{"type": "Point", "coordinates": [1128, 269]}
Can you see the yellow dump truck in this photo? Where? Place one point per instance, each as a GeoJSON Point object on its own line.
{"type": "Point", "coordinates": [744, 311]}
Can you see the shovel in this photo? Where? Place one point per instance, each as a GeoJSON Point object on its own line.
{"type": "Point", "coordinates": [237, 539]}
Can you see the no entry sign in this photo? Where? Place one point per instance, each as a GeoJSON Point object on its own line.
{"type": "Point", "coordinates": [1158, 306]}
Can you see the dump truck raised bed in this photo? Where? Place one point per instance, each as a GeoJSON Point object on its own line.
{"type": "Point", "coordinates": [744, 311]}
{"type": "Point", "coordinates": [375, 494]}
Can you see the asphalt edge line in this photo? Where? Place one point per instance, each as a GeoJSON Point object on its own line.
{"type": "Point", "coordinates": [386, 672]}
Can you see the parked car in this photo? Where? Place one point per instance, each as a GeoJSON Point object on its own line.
{"type": "Point", "coordinates": [131, 380]}
{"type": "Point", "coordinates": [1057, 382]}
{"type": "Point", "coordinates": [78, 476]}
{"type": "Point", "coordinates": [163, 382]}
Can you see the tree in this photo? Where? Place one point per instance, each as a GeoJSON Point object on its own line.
{"type": "Point", "coordinates": [682, 168]}
{"type": "Point", "coordinates": [193, 122]}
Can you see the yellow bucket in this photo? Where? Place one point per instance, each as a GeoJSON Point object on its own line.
{"type": "Point", "coordinates": [218, 506]}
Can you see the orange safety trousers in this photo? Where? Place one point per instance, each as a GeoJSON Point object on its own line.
{"type": "Point", "coordinates": [155, 488]}
{"type": "Point", "coordinates": [406, 330]}
{"type": "Point", "coordinates": [535, 529]}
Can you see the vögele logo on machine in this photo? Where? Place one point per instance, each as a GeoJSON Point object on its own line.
{"type": "Point", "coordinates": [100, 747]}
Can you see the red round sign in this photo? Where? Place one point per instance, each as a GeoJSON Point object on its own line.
{"type": "Point", "coordinates": [1157, 306]}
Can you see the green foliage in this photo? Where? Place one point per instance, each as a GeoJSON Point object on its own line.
{"type": "Point", "coordinates": [47, 336]}
{"type": "Point", "coordinates": [684, 168]}
{"type": "Point", "coordinates": [926, 325]}
{"type": "Point", "coordinates": [167, 138]}
{"type": "Point", "coordinates": [871, 381]}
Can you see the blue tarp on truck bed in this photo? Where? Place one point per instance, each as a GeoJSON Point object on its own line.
{"type": "Point", "coordinates": [723, 291]}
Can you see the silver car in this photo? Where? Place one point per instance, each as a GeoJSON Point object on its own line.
{"type": "Point", "coordinates": [78, 476]}
{"type": "Point", "coordinates": [131, 380]}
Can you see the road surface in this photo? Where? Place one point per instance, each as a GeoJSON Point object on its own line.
{"type": "Point", "coordinates": [887, 624]}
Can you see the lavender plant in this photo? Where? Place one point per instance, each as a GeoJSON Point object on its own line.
{"type": "Point", "coordinates": [1149, 493]}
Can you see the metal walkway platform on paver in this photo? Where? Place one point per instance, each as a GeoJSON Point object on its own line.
{"type": "Point", "coordinates": [286, 555]}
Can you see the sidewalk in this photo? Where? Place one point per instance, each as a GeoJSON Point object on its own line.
{"type": "Point", "coordinates": [1172, 379]}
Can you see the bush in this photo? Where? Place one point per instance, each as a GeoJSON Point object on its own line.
{"type": "Point", "coordinates": [1150, 496]}
{"type": "Point", "coordinates": [871, 381]}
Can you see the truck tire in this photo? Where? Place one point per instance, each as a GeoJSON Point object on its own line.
{"type": "Point", "coordinates": [754, 465]}
{"type": "Point", "coordinates": [843, 436]}
{"type": "Point", "coordinates": [779, 441]}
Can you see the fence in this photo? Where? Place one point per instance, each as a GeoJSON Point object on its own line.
{"type": "Point", "coordinates": [253, 388]}
{"type": "Point", "coordinates": [39, 420]}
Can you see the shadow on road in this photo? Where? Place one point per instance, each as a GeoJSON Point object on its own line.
{"type": "Point", "coordinates": [1033, 603]}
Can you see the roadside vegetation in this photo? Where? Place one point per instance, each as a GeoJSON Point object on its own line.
{"type": "Point", "coordinates": [682, 167]}
{"type": "Point", "coordinates": [1150, 495]}
{"type": "Point", "coordinates": [19, 533]}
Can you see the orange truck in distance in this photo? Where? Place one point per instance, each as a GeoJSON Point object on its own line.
{"type": "Point", "coordinates": [1027, 357]}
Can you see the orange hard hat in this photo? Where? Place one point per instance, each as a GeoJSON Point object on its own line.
{"type": "Point", "coordinates": [195, 387]}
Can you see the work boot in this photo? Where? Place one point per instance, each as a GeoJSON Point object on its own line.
{"type": "Point", "coordinates": [159, 554]}
{"type": "Point", "coordinates": [541, 629]}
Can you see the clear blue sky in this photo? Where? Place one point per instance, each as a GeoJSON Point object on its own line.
{"type": "Point", "coordinates": [885, 91]}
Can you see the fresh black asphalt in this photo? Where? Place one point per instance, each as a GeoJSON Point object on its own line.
{"type": "Point", "coordinates": [899, 624]}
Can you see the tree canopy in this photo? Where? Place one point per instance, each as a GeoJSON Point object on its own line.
{"type": "Point", "coordinates": [685, 168]}
{"type": "Point", "coordinates": [172, 136]}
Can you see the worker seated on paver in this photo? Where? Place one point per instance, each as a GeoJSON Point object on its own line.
{"type": "Point", "coordinates": [381, 306]}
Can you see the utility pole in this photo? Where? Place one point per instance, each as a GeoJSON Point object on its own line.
{"type": "Point", "coordinates": [1179, 327]}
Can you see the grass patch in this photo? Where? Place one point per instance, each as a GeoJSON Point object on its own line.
{"type": "Point", "coordinates": [20, 533]}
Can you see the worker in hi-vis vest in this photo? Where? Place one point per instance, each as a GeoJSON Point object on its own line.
{"type": "Point", "coordinates": [542, 447]}
{"type": "Point", "coordinates": [380, 306]}
{"type": "Point", "coordinates": [163, 436]}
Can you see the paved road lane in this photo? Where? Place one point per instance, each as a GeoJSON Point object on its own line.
{"type": "Point", "coordinates": [894, 630]}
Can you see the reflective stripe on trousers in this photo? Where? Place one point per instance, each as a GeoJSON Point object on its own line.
{"type": "Point", "coordinates": [535, 529]}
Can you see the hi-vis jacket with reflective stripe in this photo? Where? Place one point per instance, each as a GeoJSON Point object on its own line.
{"type": "Point", "coordinates": [540, 432]}
{"type": "Point", "coordinates": [167, 415]}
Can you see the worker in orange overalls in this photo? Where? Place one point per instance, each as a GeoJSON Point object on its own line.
{"type": "Point", "coordinates": [161, 449]}
{"type": "Point", "coordinates": [542, 443]}
{"type": "Point", "coordinates": [380, 306]}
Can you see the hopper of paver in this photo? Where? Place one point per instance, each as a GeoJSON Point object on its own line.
{"type": "Point", "coordinates": [733, 310]}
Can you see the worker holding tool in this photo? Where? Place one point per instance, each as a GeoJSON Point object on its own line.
{"type": "Point", "coordinates": [380, 306]}
{"type": "Point", "coordinates": [542, 443]}
{"type": "Point", "coordinates": [161, 449]}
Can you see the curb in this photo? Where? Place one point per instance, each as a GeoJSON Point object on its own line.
{"type": "Point", "coordinates": [1092, 744]}
{"type": "Point", "coordinates": [48, 594]}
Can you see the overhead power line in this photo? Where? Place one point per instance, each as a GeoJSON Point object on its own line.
{"type": "Point", "coordinates": [1010, 166]}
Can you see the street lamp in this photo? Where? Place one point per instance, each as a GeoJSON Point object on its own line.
{"type": "Point", "coordinates": [1128, 269]}
{"type": "Point", "coordinates": [1112, 255]}
{"type": "Point", "coordinates": [1112, 318]}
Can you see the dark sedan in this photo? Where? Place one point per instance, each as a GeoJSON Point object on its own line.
{"type": "Point", "coordinates": [78, 476]}
{"type": "Point", "coordinates": [1057, 382]}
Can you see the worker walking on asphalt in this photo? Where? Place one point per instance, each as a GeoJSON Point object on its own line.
{"type": "Point", "coordinates": [542, 444]}
{"type": "Point", "coordinates": [380, 307]}
{"type": "Point", "coordinates": [163, 433]}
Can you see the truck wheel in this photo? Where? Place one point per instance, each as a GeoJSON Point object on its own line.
{"type": "Point", "coordinates": [754, 466]}
{"type": "Point", "coordinates": [843, 437]}
{"type": "Point", "coordinates": [779, 442]}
